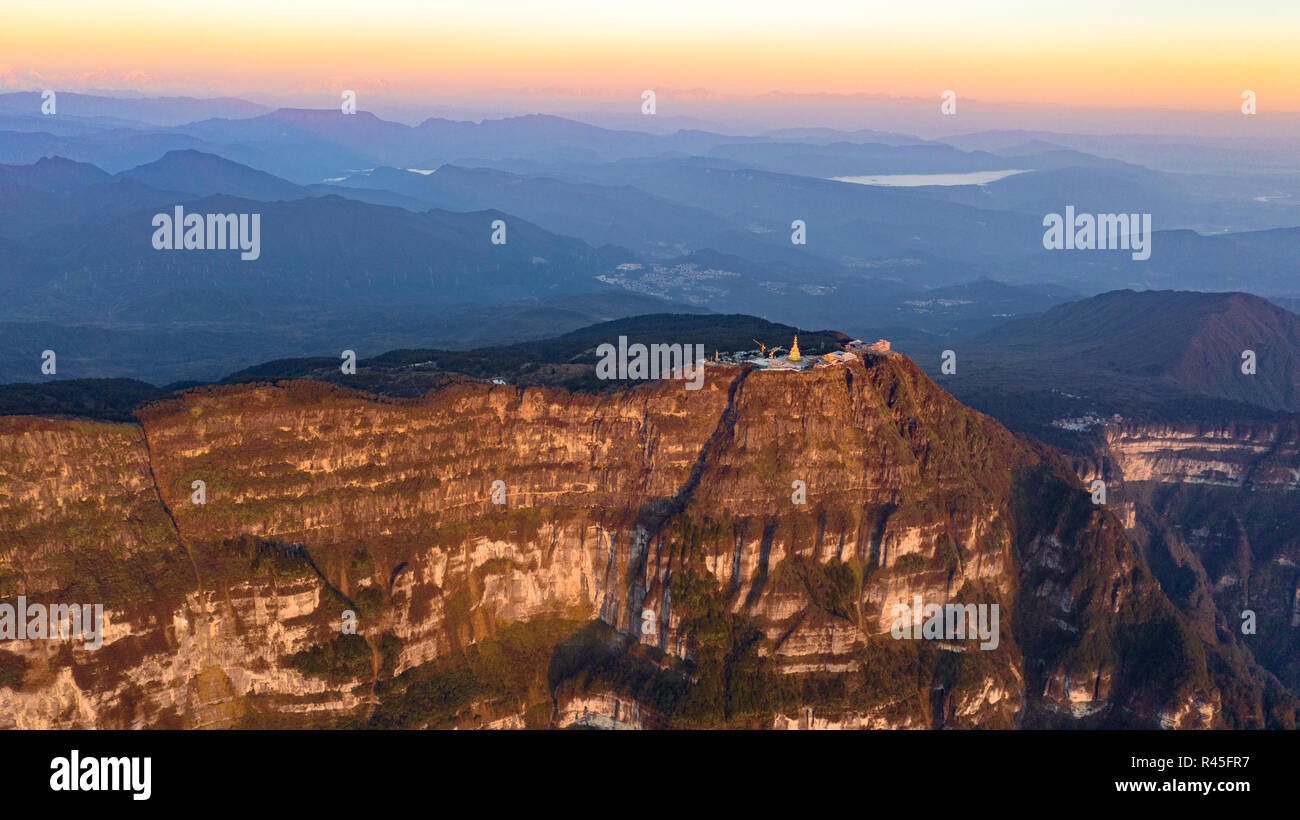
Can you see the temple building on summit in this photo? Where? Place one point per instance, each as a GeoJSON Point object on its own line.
{"type": "Point", "coordinates": [769, 358]}
{"type": "Point", "coordinates": [879, 346]}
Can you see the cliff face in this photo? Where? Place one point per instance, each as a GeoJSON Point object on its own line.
{"type": "Point", "coordinates": [1212, 508]}
{"type": "Point", "coordinates": [662, 557]}
{"type": "Point", "coordinates": [1252, 456]}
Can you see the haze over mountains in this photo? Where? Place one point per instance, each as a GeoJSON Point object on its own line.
{"type": "Point", "coordinates": [1193, 341]}
{"type": "Point", "coordinates": [1157, 356]}
{"type": "Point", "coordinates": [363, 216]}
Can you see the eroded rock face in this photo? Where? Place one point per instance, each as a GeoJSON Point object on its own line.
{"type": "Point", "coordinates": [1261, 455]}
{"type": "Point", "coordinates": [1212, 508]}
{"type": "Point", "coordinates": [727, 556]}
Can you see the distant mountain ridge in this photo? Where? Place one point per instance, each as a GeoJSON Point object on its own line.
{"type": "Point", "coordinates": [1193, 341]}
{"type": "Point", "coordinates": [201, 174]}
{"type": "Point", "coordinates": [166, 110]}
{"type": "Point", "coordinates": [1149, 357]}
{"type": "Point", "coordinates": [82, 250]}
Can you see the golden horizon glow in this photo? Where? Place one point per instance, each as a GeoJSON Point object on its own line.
{"type": "Point", "coordinates": [1013, 52]}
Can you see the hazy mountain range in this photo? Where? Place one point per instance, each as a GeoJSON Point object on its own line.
{"type": "Point", "coordinates": [362, 216]}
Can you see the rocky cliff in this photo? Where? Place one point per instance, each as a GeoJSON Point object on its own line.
{"type": "Point", "coordinates": [532, 557]}
{"type": "Point", "coordinates": [1212, 508]}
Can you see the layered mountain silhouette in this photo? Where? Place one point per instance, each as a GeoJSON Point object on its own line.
{"type": "Point", "coordinates": [79, 253]}
{"type": "Point", "coordinates": [1189, 341]}
{"type": "Point", "coordinates": [365, 215]}
{"type": "Point", "coordinates": [1150, 356]}
{"type": "Point", "coordinates": [200, 174]}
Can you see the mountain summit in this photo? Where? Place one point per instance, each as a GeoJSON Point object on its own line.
{"type": "Point", "coordinates": [731, 556]}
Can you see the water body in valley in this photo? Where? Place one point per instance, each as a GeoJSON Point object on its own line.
{"type": "Point", "coordinates": [919, 180]}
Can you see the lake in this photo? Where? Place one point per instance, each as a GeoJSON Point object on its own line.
{"type": "Point", "coordinates": [917, 180]}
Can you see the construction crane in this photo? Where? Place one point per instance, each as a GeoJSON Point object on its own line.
{"type": "Point", "coordinates": [762, 348]}
{"type": "Point", "coordinates": [771, 354]}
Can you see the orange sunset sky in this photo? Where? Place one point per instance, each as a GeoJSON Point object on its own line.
{"type": "Point", "coordinates": [1189, 55]}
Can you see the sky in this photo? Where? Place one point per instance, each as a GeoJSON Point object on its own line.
{"type": "Point", "coordinates": [1189, 55]}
